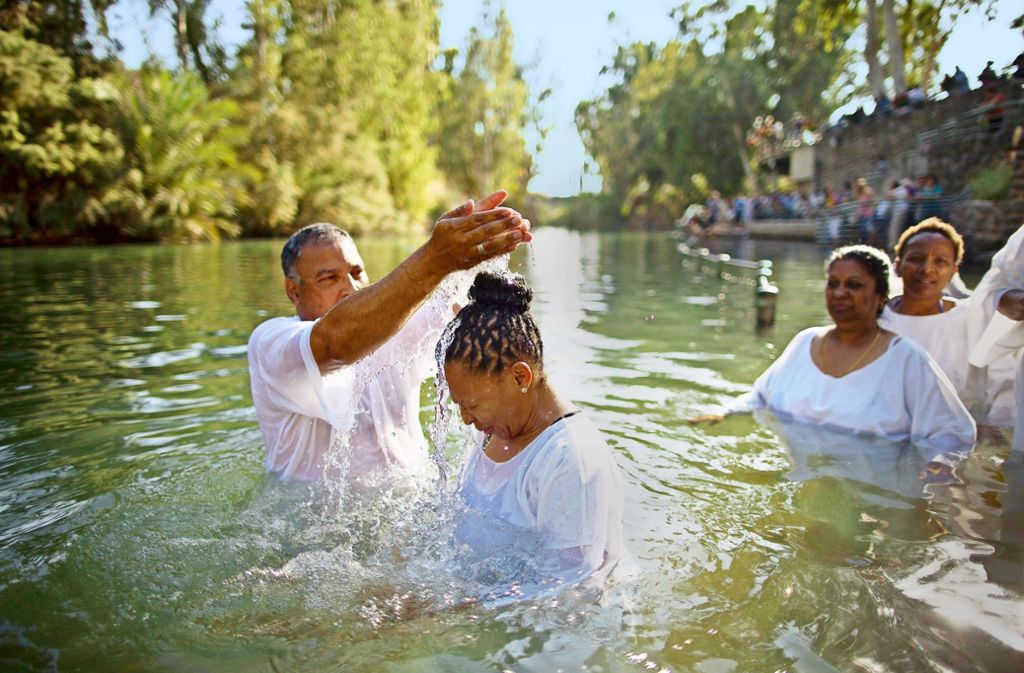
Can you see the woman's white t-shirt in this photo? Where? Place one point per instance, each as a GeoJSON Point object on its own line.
{"type": "Point", "coordinates": [565, 487]}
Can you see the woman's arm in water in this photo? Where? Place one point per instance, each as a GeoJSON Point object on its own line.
{"type": "Point", "coordinates": [1011, 304]}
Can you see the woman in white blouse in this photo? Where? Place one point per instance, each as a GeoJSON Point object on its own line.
{"type": "Point", "coordinates": [854, 376]}
{"type": "Point", "coordinates": [541, 468]}
{"type": "Point", "coordinates": [927, 256]}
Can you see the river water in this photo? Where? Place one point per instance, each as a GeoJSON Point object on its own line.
{"type": "Point", "coordinates": [139, 532]}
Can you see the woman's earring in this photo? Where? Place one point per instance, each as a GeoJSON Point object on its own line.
{"type": "Point", "coordinates": [523, 390]}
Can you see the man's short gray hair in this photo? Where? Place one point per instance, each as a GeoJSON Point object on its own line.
{"type": "Point", "coordinates": [321, 232]}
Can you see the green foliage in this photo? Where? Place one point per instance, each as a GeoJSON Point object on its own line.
{"type": "Point", "coordinates": [925, 26]}
{"type": "Point", "coordinates": [991, 183]}
{"type": "Point", "coordinates": [674, 125]}
{"type": "Point", "coordinates": [329, 112]}
{"type": "Point", "coordinates": [584, 211]}
{"type": "Point", "coordinates": [484, 114]}
{"type": "Point", "coordinates": [338, 98]}
{"type": "Point", "coordinates": [55, 159]}
{"type": "Point", "coordinates": [183, 181]}
{"type": "Point", "coordinates": [196, 45]}
{"type": "Point", "coordinates": [62, 25]}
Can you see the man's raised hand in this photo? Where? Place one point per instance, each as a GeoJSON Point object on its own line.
{"type": "Point", "coordinates": [476, 231]}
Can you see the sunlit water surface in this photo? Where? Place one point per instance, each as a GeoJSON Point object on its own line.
{"type": "Point", "coordinates": [138, 531]}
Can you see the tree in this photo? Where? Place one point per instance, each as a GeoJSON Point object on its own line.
{"type": "Point", "coordinates": [194, 44]}
{"type": "Point", "coordinates": [183, 181]}
{"type": "Point", "coordinates": [62, 25]}
{"type": "Point", "coordinates": [485, 114]}
{"type": "Point", "coordinates": [894, 42]}
{"type": "Point", "coordinates": [340, 100]}
{"type": "Point", "coordinates": [56, 160]}
{"type": "Point", "coordinates": [876, 75]}
{"type": "Point", "coordinates": [915, 32]}
{"type": "Point", "coordinates": [925, 26]}
{"type": "Point", "coordinates": [674, 126]}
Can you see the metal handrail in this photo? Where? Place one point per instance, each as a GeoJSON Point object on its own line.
{"type": "Point", "coordinates": [973, 123]}
{"type": "Point", "coordinates": [765, 291]}
{"type": "Point", "coordinates": [842, 222]}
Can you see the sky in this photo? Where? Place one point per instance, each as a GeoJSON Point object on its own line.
{"type": "Point", "coordinates": [568, 42]}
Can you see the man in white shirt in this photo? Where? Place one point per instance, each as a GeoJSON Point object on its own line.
{"type": "Point", "coordinates": [351, 361]}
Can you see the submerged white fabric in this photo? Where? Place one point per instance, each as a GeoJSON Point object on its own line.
{"type": "Point", "coordinates": [816, 452]}
{"type": "Point", "coordinates": [565, 487]}
{"type": "Point", "coordinates": [950, 337]}
{"type": "Point", "coordinates": [902, 395]}
{"type": "Point", "coordinates": [374, 402]}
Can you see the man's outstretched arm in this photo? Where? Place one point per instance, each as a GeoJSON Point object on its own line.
{"type": "Point", "coordinates": [462, 238]}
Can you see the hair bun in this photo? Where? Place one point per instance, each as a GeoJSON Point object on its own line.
{"type": "Point", "coordinates": [508, 290]}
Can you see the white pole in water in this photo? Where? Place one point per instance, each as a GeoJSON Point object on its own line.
{"type": "Point", "coordinates": [765, 295]}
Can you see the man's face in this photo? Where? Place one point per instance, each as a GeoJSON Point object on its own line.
{"type": "Point", "coordinates": [327, 272]}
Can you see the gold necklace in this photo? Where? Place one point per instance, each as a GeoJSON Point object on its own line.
{"type": "Point", "coordinates": [863, 354]}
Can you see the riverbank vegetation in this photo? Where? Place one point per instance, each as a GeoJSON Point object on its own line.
{"type": "Point", "coordinates": [349, 111]}
{"type": "Point", "coordinates": [675, 122]}
{"type": "Point", "coordinates": [338, 110]}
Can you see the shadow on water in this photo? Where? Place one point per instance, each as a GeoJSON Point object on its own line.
{"type": "Point", "coordinates": [139, 530]}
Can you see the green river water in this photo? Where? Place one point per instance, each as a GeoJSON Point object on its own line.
{"type": "Point", "coordinates": [139, 532]}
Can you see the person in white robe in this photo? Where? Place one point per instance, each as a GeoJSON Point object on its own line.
{"type": "Point", "coordinates": [541, 467]}
{"type": "Point", "coordinates": [853, 376]}
{"type": "Point", "coordinates": [1003, 336]}
{"type": "Point", "coordinates": [374, 402]}
{"type": "Point", "coordinates": [347, 364]}
{"type": "Point", "coordinates": [927, 259]}
{"type": "Point", "coordinates": [899, 396]}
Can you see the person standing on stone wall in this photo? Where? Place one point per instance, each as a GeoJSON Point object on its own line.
{"type": "Point", "coordinates": [902, 192]}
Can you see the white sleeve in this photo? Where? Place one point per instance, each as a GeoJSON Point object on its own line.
{"type": "Point", "coordinates": [1005, 273]}
{"type": "Point", "coordinates": [990, 334]}
{"type": "Point", "coordinates": [1009, 261]}
{"type": "Point", "coordinates": [286, 376]}
{"type": "Point", "coordinates": [939, 421]}
{"type": "Point", "coordinates": [757, 396]}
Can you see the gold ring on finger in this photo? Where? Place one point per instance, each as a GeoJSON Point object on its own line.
{"type": "Point", "coordinates": [480, 249]}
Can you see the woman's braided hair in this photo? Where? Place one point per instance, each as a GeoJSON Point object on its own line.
{"type": "Point", "coordinates": [496, 330]}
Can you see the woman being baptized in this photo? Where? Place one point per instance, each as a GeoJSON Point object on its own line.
{"type": "Point", "coordinates": [540, 470]}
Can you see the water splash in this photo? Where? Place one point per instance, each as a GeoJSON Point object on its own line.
{"type": "Point", "coordinates": [455, 285]}
{"type": "Point", "coordinates": [442, 407]}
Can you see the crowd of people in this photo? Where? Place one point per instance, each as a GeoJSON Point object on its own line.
{"type": "Point", "coordinates": [954, 84]}
{"type": "Point", "coordinates": [347, 368]}
{"type": "Point", "coordinates": [738, 211]}
{"type": "Point", "coordinates": [880, 218]}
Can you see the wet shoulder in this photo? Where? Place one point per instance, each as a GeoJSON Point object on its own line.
{"type": "Point", "coordinates": [571, 443]}
{"type": "Point", "coordinates": [269, 329]}
{"type": "Point", "coordinates": [803, 338]}
{"type": "Point", "coordinates": [903, 349]}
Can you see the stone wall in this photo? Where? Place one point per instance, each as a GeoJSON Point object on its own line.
{"type": "Point", "coordinates": [988, 224]}
{"type": "Point", "coordinates": [948, 137]}
{"type": "Point", "coordinates": [951, 138]}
